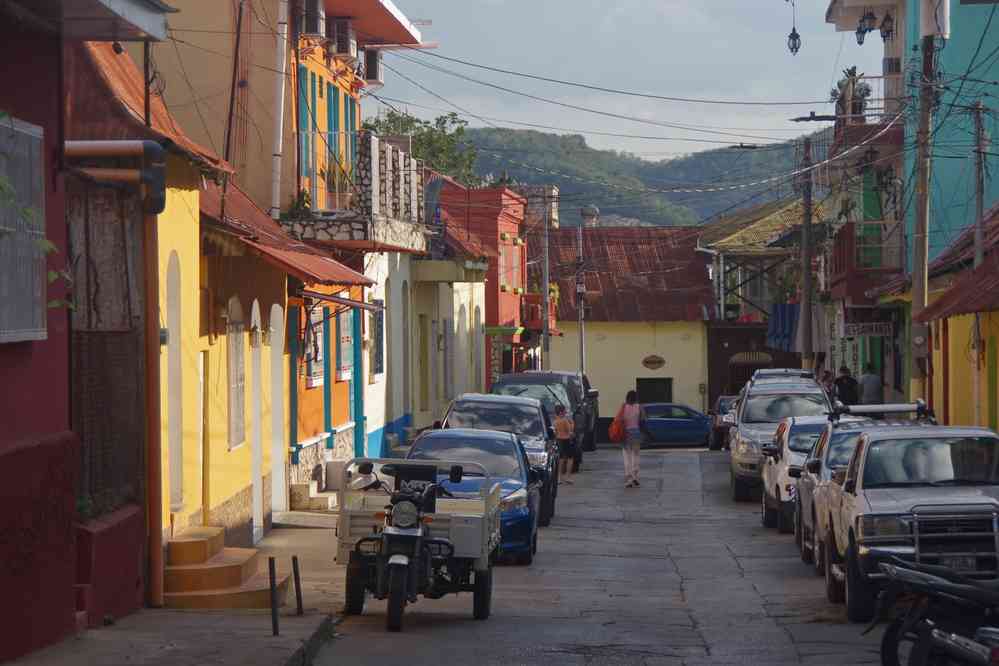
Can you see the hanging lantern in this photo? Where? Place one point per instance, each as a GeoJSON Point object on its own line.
{"type": "Point", "coordinates": [794, 41]}
{"type": "Point", "coordinates": [860, 33]}
{"type": "Point", "coordinates": [888, 28]}
{"type": "Point", "coordinates": [869, 21]}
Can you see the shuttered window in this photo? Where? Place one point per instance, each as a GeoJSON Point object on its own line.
{"type": "Point", "coordinates": [236, 373]}
{"type": "Point", "coordinates": [345, 345]}
{"type": "Point", "coordinates": [304, 126]}
{"type": "Point", "coordinates": [22, 233]}
{"type": "Point", "coordinates": [377, 356]}
{"type": "Point", "coordinates": [315, 346]}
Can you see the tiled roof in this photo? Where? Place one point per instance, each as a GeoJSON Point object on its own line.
{"type": "Point", "coordinates": [255, 228]}
{"type": "Point", "coordinates": [974, 291]}
{"type": "Point", "coordinates": [757, 237]}
{"type": "Point", "coordinates": [105, 100]}
{"type": "Point", "coordinates": [726, 226]}
{"type": "Point", "coordinates": [632, 273]}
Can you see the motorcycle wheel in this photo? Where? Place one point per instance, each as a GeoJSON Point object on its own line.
{"type": "Point", "coordinates": [482, 599]}
{"type": "Point", "coordinates": [897, 646]}
{"type": "Point", "coordinates": [396, 597]}
{"type": "Point", "coordinates": [354, 587]}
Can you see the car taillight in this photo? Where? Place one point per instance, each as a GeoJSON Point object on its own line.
{"type": "Point", "coordinates": [994, 657]}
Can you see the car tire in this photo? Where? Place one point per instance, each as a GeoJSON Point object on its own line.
{"type": "Point", "coordinates": [482, 599]}
{"type": "Point", "coordinates": [804, 547]}
{"type": "Point", "coordinates": [590, 440]}
{"type": "Point", "coordinates": [354, 588]}
{"type": "Point", "coordinates": [834, 588]}
{"type": "Point", "coordinates": [740, 491]}
{"type": "Point", "coordinates": [714, 441]}
{"type": "Point", "coordinates": [768, 517]}
{"type": "Point", "coordinates": [785, 523]}
{"type": "Point", "coordinates": [547, 508]}
{"type": "Point", "coordinates": [818, 552]}
{"type": "Point", "coordinates": [396, 597]}
{"type": "Point", "coordinates": [861, 596]}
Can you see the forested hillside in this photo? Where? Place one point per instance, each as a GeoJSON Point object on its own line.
{"type": "Point", "coordinates": [517, 154]}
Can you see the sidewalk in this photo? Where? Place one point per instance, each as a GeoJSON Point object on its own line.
{"type": "Point", "coordinates": [159, 637]}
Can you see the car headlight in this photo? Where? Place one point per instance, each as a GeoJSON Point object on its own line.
{"type": "Point", "coordinates": [746, 447]}
{"type": "Point", "coordinates": [405, 514]}
{"type": "Point", "coordinates": [884, 526]}
{"type": "Point", "coordinates": [515, 500]}
{"type": "Point", "coordinates": [538, 458]}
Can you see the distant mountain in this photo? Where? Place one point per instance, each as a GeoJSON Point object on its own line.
{"type": "Point", "coordinates": [519, 154]}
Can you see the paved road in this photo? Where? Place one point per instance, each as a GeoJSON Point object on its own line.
{"type": "Point", "coordinates": [671, 573]}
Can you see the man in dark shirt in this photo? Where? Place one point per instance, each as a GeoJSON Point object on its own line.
{"type": "Point", "coordinates": [846, 387]}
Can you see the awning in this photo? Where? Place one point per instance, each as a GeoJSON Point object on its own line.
{"type": "Point", "coordinates": [307, 267]}
{"type": "Point", "coordinates": [340, 300]}
{"type": "Point", "coordinates": [503, 330]}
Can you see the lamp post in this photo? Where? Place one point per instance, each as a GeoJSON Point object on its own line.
{"type": "Point", "coordinates": [888, 28]}
{"type": "Point", "coordinates": [794, 41]}
{"type": "Point", "coordinates": [591, 216]}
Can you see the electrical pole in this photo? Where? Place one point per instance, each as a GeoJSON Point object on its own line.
{"type": "Point", "coordinates": [227, 148]}
{"type": "Point", "coordinates": [807, 353]}
{"type": "Point", "coordinates": [545, 289]}
{"type": "Point", "coordinates": [920, 279]}
{"type": "Point", "coordinates": [979, 250]}
{"type": "Point", "coordinates": [587, 213]}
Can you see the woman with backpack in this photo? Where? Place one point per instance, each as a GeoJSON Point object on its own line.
{"type": "Point", "coordinates": [631, 419]}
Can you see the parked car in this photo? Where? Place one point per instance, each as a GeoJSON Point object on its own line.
{"type": "Point", "coordinates": [760, 412]}
{"type": "Point", "coordinates": [672, 423]}
{"type": "Point", "coordinates": [525, 417]}
{"type": "Point", "coordinates": [792, 443]}
{"type": "Point", "coordinates": [926, 494]}
{"type": "Point", "coordinates": [719, 425]}
{"type": "Point", "coordinates": [505, 458]}
{"type": "Point", "coordinates": [585, 403]}
{"type": "Point", "coordinates": [781, 373]}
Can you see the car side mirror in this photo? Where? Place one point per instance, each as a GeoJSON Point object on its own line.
{"type": "Point", "coordinates": [794, 472]}
{"type": "Point", "coordinates": [770, 450]}
{"type": "Point", "coordinates": [593, 394]}
{"type": "Point", "coordinates": [534, 475]}
{"type": "Point", "coordinates": [437, 425]}
{"type": "Point", "coordinates": [850, 486]}
{"type": "Point", "coordinates": [839, 476]}
{"type": "Point", "coordinates": [456, 474]}
{"type": "Point", "coordinates": [813, 465]}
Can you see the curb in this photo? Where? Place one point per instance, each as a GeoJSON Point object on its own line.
{"type": "Point", "coordinates": [306, 654]}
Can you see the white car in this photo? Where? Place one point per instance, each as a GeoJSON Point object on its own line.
{"type": "Point", "coordinates": [792, 443]}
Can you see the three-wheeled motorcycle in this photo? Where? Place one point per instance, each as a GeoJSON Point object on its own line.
{"type": "Point", "coordinates": [402, 534]}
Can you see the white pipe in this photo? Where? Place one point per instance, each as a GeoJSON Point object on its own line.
{"type": "Point", "coordinates": [279, 90]}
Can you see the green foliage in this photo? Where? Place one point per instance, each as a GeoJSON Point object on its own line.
{"type": "Point", "coordinates": [300, 207]}
{"type": "Point", "coordinates": [441, 144]}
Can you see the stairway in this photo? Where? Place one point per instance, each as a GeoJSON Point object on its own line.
{"type": "Point", "coordinates": [201, 573]}
{"type": "Point", "coordinates": [309, 497]}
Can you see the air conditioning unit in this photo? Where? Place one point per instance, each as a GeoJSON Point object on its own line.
{"type": "Point", "coordinates": [374, 74]}
{"type": "Point", "coordinates": [344, 38]}
{"type": "Point", "coordinates": [312, 19]}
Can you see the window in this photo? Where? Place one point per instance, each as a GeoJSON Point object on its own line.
{"type": "Point", "coordinates": [377, 351]}
{"type": "Point", "coordinates": [858, 453]}
{"type": "Point", "coordinates": [514, 272]}
{"type": "Point", "coordinates": [23, 309]}
{"type": "Point", "coordinates": [345, 345]}
{"type": "Point", "coordinates": [236, 374]}
{"type": "Point", "coordinates": [322, 85]}
{"type": "Point", "coordinates": [315, 346]}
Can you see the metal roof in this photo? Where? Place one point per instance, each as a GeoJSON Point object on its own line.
{"type": "Point", "coordinates": [976, 290]}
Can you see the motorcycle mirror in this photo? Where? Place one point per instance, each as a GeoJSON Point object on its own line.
{"type": "Point", "coordinates": [794, 472]}
{"type": "Point", "coordinates": [365, 468]}
{"type": "Point", "coordinates": [457, 472]}
{"type": "Point", "coordinates": [813, 465]}
{"type": "Point", "coordinates": [365, 482]}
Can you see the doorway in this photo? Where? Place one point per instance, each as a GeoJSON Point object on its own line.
{"type": "Point", "coordinates": [654, 389]}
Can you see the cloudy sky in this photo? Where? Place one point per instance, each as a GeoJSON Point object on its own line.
{"type": "Point", "coordinates": [711, 49]}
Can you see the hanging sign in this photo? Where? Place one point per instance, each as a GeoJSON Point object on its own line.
{"type": "Point", "coordinates": [877, 328]}
{"type": "Point", "coordinates": [653, 362]}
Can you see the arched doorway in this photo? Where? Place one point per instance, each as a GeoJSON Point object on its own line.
{"type": "Point", "coordinates": [279, 501]}
{"type": "Point", "coordinates": [175, 384]}
{"type": "Point", "coordinates": [742, 365]}
{"type": "Point", "coordinates": [256, 423]}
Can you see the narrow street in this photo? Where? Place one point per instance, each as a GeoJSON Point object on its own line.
{"type": "Point", "coordinates": [671, 573]}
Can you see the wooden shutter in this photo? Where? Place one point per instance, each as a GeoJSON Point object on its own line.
{"type": "Point", "coordinates": [23, 308]}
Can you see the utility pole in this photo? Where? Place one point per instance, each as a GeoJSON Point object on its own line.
{"type": "Point", "coordinates": [545, 288]}
{"type": "Point", "coordinates": [979, 250]}
{"type": "Point", "coordinates": [232, 103]}
{"type": "Point", "coordinates": [589, 214]}
{"type": "Point", "coordinates": [920, 241]}
{"type": "Point", "coordinates": [807, 354]}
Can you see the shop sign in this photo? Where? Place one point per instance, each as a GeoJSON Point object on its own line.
{"type": "Point", "coordinates": [876, 328]}
{"type": "Point", "coordinates": [653, 362]}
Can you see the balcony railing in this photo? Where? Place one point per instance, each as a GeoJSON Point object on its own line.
{"type": "Point", "coordinates": [863, 254]}
{"type": "Point", "coordinates": [532, 309]}
{"type": "Point", "coordinates": [383, 209]}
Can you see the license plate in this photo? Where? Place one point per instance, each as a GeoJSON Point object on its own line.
{"type": "Point", "coordinates": [960, 563]}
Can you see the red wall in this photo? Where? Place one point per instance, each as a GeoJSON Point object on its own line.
{"type": "Point", "coordinates": [39, 457]}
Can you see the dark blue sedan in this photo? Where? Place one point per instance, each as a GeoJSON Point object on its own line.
{"type": "Point", "coordinates": [504, 456]}
{"type": "Point", "coordinates": [672, 423]}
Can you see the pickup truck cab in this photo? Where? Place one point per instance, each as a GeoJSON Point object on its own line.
{"type": "Point", "coordinates": [929, 494]}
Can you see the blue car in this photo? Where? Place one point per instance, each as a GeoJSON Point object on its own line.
{"type": "Point", "coordinates": [672, 423]}
{"type": "Point", "coordinates": [504, 456]}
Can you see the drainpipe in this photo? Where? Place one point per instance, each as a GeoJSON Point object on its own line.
{"type": "Point", "coordinates": [152, 180]}
{"type": "Point", "coordinates": [279, 90]}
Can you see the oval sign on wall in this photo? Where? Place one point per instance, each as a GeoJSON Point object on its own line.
{"type": "Point", "coordinates": [653, 362]}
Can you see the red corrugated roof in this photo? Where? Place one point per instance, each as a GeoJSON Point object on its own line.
{"type": "Point", "coordinates": [974, 291]}
{"type": "Point", "coordinates": [105, 100]}
{"type": "Point", "coordinates": [255, 228]}
{"type": "Point", "coordinates": [633, 273]}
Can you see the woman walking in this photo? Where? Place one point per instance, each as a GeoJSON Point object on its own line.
{"type": "Point", "coordinates": [632, 417]}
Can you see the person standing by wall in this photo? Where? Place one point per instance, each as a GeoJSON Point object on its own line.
{"type": "Point", "coordinates": [566, 436]}
{"type": "Point", "coordinates": [632, 417]}
{"type": "Point", "coordinates": [871, 386]}
{"type": "Point", "coordinates": [846, 387]}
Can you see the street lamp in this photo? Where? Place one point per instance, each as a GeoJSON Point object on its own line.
{"type": "Point", "coordinates": [888, 28]}
{"type": "Point", "coordinates": [860, 33]}
{"type": "Point", "coordinates": [869, 21]}
{"type": "Point", "coordinates": [794, 41]}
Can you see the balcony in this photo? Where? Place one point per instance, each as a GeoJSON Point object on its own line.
{"type": "Point", "coordinates": [384, 213]}
{"type": "Point", "coordinates": [864, 255]}
{"type": "Point", "coordinates": [532, 309]}
{"type": "Point", "coordinates": [866, 109]}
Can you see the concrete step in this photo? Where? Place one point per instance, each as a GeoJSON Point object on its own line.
{"type": "Point", "coordinates": [227, 569]}
{"type": "Point", "coordinates": [252, 593]}
{"type": "Point", "coordinates": [307, 497]}
{"type": "Point", "coordinates": [195, 545]}
{"type": "Point", "coordinates": [310, 519]}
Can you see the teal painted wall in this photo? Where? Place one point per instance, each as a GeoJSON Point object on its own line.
{"type": "Point", "coordinates": [952, 183]}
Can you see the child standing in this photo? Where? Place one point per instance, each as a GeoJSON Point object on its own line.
{"type": "Point", "coordinates": [564, 433]}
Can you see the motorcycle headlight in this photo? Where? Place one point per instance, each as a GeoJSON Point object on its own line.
{"type": "Point", "coordinates": [538, 458]}
{"type": "Point", "coordinates": [516, 500]}
{"type": "Point", "coordinates": [405, 515]}
{"type": "Point", "coordinates": [884, 526]}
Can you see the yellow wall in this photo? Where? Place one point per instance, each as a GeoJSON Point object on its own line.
{"type": "Point", "coordinates": [962, 368]}
{"type": "Point", "coordinates": [614, 353]}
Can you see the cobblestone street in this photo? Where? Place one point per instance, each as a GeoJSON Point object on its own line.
{"type": "Point", "coordinates": [671, 573]}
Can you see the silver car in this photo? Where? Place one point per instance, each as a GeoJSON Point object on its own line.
{"type": "Point", "coordinates": [760, 412]}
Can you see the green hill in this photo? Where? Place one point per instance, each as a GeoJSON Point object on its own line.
{"type": "Point", "coordinates": [519, 154]}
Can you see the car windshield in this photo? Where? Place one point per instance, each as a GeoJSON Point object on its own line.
{"type": "Point", "coordinates": [774, 407]}
{"type": "Point", "coordinates": [498, 456]}
{"type": "Point", "coordinates": [550, 395]}
{"type": "Point", "coordinates": [505, 417]}
{"type": "Point", "coordinates": [841, 448]}
{"type": "Point", "coordinates": [802, 439]}
{"type": "Point", "coordinates": [932, 461]}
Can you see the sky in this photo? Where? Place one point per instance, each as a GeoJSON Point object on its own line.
{"type": "Point", "coordinates": [711, 49]}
